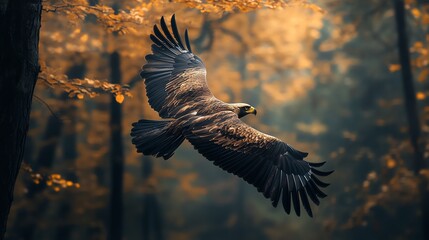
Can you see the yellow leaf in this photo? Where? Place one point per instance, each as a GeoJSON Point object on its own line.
{"type": "Point", "coordinates": [119, 98]}
{"type": "Point", "coordinates": [56, 176]}
{"type": "Point", "coordinates": [84, 38]}
{"type": "Point", "coordinates": [391, 163]}
{"type": "Point", "coordinates": [418, 45]}
{"type": "Point", "coordinates": [394, 67]}
{"type": "Point", "coordinates": [89, 81]}
{"type": "Point", "coordinates": [80, 96]}
{"type": "Point", "coordinates": [416, 12]}
{"type": "Point", "coordinates": [420, 96]}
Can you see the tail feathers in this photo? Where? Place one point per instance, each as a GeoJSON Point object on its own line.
{"type": "Point", "coordinates": [155, 138]}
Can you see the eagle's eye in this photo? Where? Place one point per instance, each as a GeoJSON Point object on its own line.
{"type": "Point", "coordinates": [246, 108]}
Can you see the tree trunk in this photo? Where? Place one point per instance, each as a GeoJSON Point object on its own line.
{"type": "Point", "coordinates": [412, 113]}
{"type": "Point", "coordinates": [19, 67]}
{"type": "Point", "coordinates": [116, 154]}
{"type": "Point", "coordinates": [152, 217]}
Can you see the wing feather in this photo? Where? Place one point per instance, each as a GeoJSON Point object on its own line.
{"type": "Point", "coordinates": [272, 166]}
{"type": "Point", "coordinates": [175, 78]}
{"type": "Point", "coordinates": [188, 44]}
{"type": "Point", "coordinates": [286, 198]}
{"type": "Point", "coordinates": [167, 32]}
{"type": "Point", "coordinates": [176, 31]}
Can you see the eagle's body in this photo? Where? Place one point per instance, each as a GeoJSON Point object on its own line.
{"type": "Point", "coordinates": [177, 89]}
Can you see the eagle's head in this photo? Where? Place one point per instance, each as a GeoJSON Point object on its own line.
{"type": "Point", "coordinates": [242, 109]}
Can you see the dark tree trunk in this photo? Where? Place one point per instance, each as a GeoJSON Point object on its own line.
{"type": "Point", "coordinates": [19, 67]}
{"type": "Point", "coordinates": [116, 155]}
{"type": "Point", "coordinates": [152, 217]}
{"type": "Point", "coordinates": [412, 112]}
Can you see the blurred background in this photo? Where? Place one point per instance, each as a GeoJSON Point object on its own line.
{"type": "Point", "coordinates": [324, 75]}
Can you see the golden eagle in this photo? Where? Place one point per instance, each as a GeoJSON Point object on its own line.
{"type": "Point", "coordinates": [177, 89]}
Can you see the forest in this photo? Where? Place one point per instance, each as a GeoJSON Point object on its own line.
{"type": "Point", "coordinates": [346, 81]}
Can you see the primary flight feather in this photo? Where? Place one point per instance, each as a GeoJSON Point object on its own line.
{"type": "Point", "coordinates": [177, 89]}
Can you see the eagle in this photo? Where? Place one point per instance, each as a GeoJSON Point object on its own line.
{"type": "Point", "coordinates": [176, 88]}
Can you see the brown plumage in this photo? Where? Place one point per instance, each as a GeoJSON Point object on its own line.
{"type": "Point", "coordinates": [177, 89]}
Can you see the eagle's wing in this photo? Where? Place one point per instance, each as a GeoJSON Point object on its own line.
{"type": "Point", "coordinates": [175, 78]}
{"type": "Point", "coordinates": [272, 166]}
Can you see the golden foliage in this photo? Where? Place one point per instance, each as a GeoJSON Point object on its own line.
{"type": "Point", "coordinates": [82, 87]}
{"type": "Point", "coordinates": [390, 163]}
{"type": "Point", "coordinates": [119, 98]}
{"type": "Point", "coordinates": [400, 189]}
{"type": "Point", "coordinates": [420, 96]}
{"type": "Point", "coordinates": [314, 128]}
{"type": "Point", "coordinates": [54, 180]}
{"type": "Point", "coordinates": [342, 33]}
{"type": "Point", "coordinates": [394, 67]}
{"type": "Point", "coordinates": [221, 6]}
{"type": "Point", "coordinates": [281, 65]}
{"type": "Point", "coordinates": [279, 92]}
{"type": "Point", "coordinates": [122, 21]}
{"type": "Point", "coordinates": [420, 48]}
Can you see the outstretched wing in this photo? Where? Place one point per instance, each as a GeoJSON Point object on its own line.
{"type": "Point", "coordinates": [175, 78]}
{"type": "Point", "coordinates": [272, 166]}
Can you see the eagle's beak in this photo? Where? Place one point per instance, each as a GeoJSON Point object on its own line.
{"type": "Point", "coordinates": [251, 110]}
